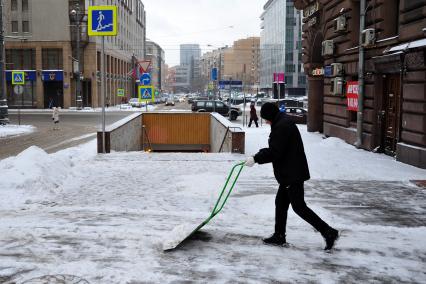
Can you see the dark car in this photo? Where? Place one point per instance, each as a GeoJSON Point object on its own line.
{"type": "Point", "coordinates": [297, 114]}
{"type": "Point", "coordinates": [216, 106]}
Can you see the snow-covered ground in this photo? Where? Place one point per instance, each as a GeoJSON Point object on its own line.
{"type": "Point", "coordinates": [15, 130]}
{"type": "Point", "coordinates": [104, 218]}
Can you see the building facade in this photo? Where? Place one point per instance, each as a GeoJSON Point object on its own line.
{"type": "Point", "coordinates": [241, 62]}
{"type": "Point", "coordinates": [190, 55]}
{"type": "Point", "coordinates": [280, 45]}
{"type": "Point", "coordinates": [46, 49]}
{"type": "Point", "coordinates": [180, 78]}
{"type": "Point", "coordinates": [368, 86]}
{"type": "Point", "coordinates": [156, 55]}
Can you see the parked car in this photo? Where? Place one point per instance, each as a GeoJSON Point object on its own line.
{"type": "Point", "coordinates": [297, 114]}
{"type": "Point", "coordinates": [170, 102]}
{"type": "Point", "coordinates": [216, 106]}
{"type": "Point", "coordinates": [134, 102]}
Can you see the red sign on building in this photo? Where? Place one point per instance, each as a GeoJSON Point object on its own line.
{"type": "Point", "coordinates": [352, 95]}
{"type": "Point", "coordinates": [279, 78]}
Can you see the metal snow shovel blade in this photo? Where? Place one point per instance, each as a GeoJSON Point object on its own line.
{"type": "Point", "coordinates": [183, 233]}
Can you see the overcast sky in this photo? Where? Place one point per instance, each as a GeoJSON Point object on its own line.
{"type": "Point", "coordinates": [205, 22]}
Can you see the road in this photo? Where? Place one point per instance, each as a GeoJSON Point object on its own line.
{"type": "Point", "coordinates": [75, 128]}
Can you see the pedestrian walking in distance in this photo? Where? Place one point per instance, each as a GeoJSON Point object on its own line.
{"type": "Point", "coordinates": [253, 116]}
{"type": "Point", "coordinates": [287, 155]}
{"type": "Point", "coordinates": [55, 118]}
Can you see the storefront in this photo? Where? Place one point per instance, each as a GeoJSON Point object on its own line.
{"type": "Point", "coordinates": [28, 99]}
{"type": "Point", "coordinates": [53, 86]}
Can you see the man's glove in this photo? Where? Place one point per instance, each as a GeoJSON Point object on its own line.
{"type": "Point", "coordinates": [249, 162]}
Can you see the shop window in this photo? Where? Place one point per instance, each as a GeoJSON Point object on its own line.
{"type": "Point", "coordinates": [52, 59]}
{"type": "Point", "coordinates": [20, 59]}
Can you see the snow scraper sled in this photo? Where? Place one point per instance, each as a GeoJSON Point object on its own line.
{"type": "Point", "coordinates": [182, 233]}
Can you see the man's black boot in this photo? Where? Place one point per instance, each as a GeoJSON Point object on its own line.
{"type": "Point", "coordinates": [330, 238]}
{"type": "Point", "coordinates": [276, 239]}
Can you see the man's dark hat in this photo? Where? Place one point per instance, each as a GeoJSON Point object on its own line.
{"type": "Point", "coordinates": [269, 111]}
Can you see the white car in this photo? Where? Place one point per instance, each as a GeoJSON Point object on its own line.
{"type": "Point", "coordinates": [170, 102]}
{"type": "Point", "coordinates": [134, 102]}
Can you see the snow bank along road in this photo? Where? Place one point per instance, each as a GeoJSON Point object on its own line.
{"type": "Point", "coordinates": [104, 218]}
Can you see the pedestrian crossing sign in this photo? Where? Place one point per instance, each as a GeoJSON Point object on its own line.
{"type": "Point", "coordinates": [18, 78]}
{"type": "Point", "coordinates": [102, 20]}
{"type": "Point", "coordinates": [120, 93]}
{"type": "Point", "coordinates": [146, 93]}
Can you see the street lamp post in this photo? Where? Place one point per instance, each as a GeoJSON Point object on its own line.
{"type": "Point", "coordinates": [77, 16]}
{"type": "Point", "coordinates": [3, 100]}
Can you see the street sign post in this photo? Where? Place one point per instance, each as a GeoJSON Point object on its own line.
{"type": "Point", "coordinates": [18, 78]}
{"type": "Point", "coordinates": [120, 92]}
{"type": "Point", "coordinates": [18, 89]}
{"type": "Point", "coordinates": [146, 93]}
{"type": "Point", "coordinates": [102, 21]}
{"type": "Point", "coordinates": [145, 79]}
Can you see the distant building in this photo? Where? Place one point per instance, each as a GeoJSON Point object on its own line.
{"type": "Point", "coordinates": [180, 78]}
{"type": "Point", "coordinates": [190, 55]}
{"type": "Point", "coordinates": [44, 45]}
{"type": "Point", "coordinates": [241, 62]}
{"type": "Point", "coordinates": [393, 104]}
{"type": "Point", "coordinates": [155, 54]}
{"type": "Point", "coordinates": [280, 45]}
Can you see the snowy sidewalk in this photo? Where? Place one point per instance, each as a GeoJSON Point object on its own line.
{"type": "Point", "coordinates": [103, 218]}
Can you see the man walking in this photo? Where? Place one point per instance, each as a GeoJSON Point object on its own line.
{"type": "Point", "coordinates": [287, 155]}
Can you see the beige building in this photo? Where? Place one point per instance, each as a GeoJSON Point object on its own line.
{"type": "Point", "coordinates": [44, 46]}
{"type": "Point", "coordinates": [239, 62]}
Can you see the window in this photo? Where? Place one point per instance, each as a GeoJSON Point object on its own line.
{"type": "Point", "coordinates": [24, 5]}
{"type": "Point", "coordinates": [219, 104]}
{"type": "Point", "coordinates": [14, 5]}
{"type": "Point", "coordinates": [25, 26]}
{"type": "Point", "coordinates": [209, 104]}
{"type": "Point", "coordinates": [200, 104]}
{"type": "Point", "coordinates": [20, 59]}
{"type": "Point", "coordinates": [52, 59]}
{"type": "Point", "coordinates": [14, 26]}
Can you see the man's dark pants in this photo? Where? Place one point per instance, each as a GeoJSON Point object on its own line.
{"type": "Point", "coordinates": [294, 194]}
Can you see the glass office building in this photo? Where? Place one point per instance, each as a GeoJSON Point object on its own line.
{"type": "Point", "coordinates": [280, 43]}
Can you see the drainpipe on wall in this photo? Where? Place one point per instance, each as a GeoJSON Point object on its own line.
{"type": "Point", "coordinates": [360, 115]}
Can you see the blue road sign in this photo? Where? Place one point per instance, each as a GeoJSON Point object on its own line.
{"type": "Point", "coordinates": [146, 93]}
{"type": "Point", "coordinates": [18, 78]}
{"type": "Point", "coordinates": [214, 74]}
{"type": "Point", "coordinates": [102, 21]}
{"type": "Point", "coordinates": [145, 79]}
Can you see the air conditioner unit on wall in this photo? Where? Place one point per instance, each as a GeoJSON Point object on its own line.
{"type": "Point", "coordinates": [327, 48]}
{"type": "Point", "coordinates": [337, 86]}
{"type": "Point", "coordinates": [368, 37]}
{"type": "Point", "coordinates": [337, 69]}
{"type": "Point", "coordinates": [340, 24]}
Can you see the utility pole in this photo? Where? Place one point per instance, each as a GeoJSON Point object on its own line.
{"type": "Point", "coordinates": [77, 16]}
{"type": "Point", "coordinates": [3, 100]}
{"type": "Point", "coordinates": [360, 114]}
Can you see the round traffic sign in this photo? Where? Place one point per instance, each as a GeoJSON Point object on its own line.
{"type": "Point", "coordinates": [18, 89]}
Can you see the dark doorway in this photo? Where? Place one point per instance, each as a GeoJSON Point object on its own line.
{"type": "Point", "coordinates": [391, 113]}
{"type": "Point", "coordinates": [53, 94]}
{"type": "Point", "coordinates": [87, 93]}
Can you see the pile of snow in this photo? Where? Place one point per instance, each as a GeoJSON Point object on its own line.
{"type": "Point", "coordinates": [34, 175]}
{"type": "Point", "coordinates": [15, 130]}
{"type": "Point", "coordinates": [177, 235]}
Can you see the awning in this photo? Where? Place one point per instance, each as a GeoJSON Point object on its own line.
{"type": "Point", "coordinates": [407, 46]}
